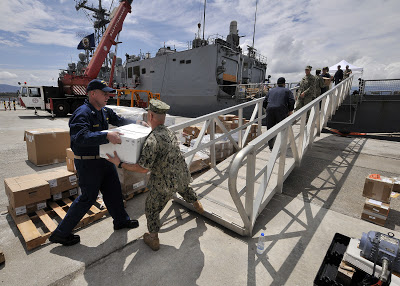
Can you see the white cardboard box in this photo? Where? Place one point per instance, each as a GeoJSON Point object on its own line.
{"type": "Point", "coordinates": [132, 139]}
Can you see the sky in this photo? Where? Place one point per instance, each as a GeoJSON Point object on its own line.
{"type": "Point", "coordinates": [39, 37]}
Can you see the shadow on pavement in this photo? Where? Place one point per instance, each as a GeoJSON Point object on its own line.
{"type": "Point", "coordinates": [300, 224]}
{"type": "Point", "coordinates": [134, 263]}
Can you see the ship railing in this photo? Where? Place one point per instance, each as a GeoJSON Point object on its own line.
{"type": "Point", "coordinates": [259, 57]}
{"type": "Point", "coordinates": [380, 87]}
{"type": "Point", "coordinates": [255, 90]}
{"type": "Point", "coordinates": [294, 136]}
{"type": "Point", "coordinates": [213, 38]}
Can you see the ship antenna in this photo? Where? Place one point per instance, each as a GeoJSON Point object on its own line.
{"type": "Point", "coordinates": [255, 19]}
{"type": "Point", "coordinates": [204, 21]}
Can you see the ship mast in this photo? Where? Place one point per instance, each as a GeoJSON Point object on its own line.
{"type": "Point", "coordinates": [255, 20]}
{"type": "Point", "coordinates": [101, 16]}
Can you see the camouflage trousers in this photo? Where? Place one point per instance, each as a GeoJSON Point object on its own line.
{"type": "Point", "coordinates": [303, 101]}
{"type": "Point", "coordinates": [157, 200]}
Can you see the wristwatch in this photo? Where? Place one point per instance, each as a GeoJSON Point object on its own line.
{"type": "Point", "coordinates": [120, 165]}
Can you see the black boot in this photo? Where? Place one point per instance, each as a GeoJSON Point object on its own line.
{"type": "Point", "coordinates": [133, 223]}
{"type": "Point", "coordinates": [66, 241]}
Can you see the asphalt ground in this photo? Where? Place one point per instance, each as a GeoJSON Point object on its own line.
{"type": "Point", "coordinates": [320, 198]}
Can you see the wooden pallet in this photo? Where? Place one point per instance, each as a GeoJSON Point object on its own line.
{"type": "Point", "coordinates": [36, 228]}
{"type": "Point", "coordinates": [134, 194]}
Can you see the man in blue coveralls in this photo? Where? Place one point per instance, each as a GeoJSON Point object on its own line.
{"type": "Point", "coordinates": [86, 130]}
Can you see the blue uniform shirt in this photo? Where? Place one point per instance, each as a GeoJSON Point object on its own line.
{"type": "Point", "coordinates": [86, 125]}
{"type": "Point", "coordinates": [279, 97]}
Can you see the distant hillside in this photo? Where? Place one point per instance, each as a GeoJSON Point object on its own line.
{"type": "Point", "coordinates": [8, 88]}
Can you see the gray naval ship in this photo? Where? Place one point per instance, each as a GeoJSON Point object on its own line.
{"type": "Point", "coordinates": [210, 75]}
{"type": "Point", "coordinates": [213, 74]}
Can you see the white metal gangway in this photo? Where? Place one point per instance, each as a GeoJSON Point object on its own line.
{"type": "Point", "coordinates": [236, 191]}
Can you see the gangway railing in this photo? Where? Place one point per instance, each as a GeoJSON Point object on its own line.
{"type": "Point", "coordinates": [312, 117]}
{"type": "Point", "coordinates": [210, 121]}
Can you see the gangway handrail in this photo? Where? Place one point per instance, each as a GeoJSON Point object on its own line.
{"type": "Point", "coordinates": [317, 119]}
{"type": "Point", "coordinates": [212, 118]}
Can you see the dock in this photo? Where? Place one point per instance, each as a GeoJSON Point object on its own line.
{"type": "Point", "coordinates": [321, 197]}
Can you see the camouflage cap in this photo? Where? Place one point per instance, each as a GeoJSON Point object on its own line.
{"type": "Point", "coordinates": [318, 69]}
{"type": "Point", "coordinates": [157, 106]}
{"type": "Point", "coordinates": [308, 67]}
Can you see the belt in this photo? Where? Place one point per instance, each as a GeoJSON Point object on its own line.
{"type": "Point", "coordinates": [87, 157]}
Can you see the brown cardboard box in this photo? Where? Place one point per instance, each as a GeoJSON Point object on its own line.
{"type": "Point", "coordinates": [31, 208]}
{"type": "Point", "coordinates": [376, 207]}
{"type": "Point", "coordinates": [26, 190]}
{"type": "Point", "coordinates": [327, 81]}
{"type": "Point", "coordinates": [236, 120]}
{"type": "Point", "coordinates": [46, 146]}
{"type": "Point", "coordinates": [229, 125]}
{"type": "Point", "coordinates": [192, 130]}
{"type": "Point", "coordinates": [379, 190]}
{"type": "Point", "coordinates": [226, 117]}
{"type": "Point", "coordinates": [60, 180]}
{"type": "Point", "coordinates": [372, 217]}
{"type": "Point", "coordinates": [198, 164]}
{"type": "Point", "coordinates": [70, 165]}
{"type": "Point", "coordinates": [70, 160]}
{"type": "Point", "coordinates": [132, 181]}
{"type": "Point", "coordinates": [65, 194]}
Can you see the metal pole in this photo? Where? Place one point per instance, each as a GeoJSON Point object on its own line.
{"type": "Point", "coordinates": [204, 21]}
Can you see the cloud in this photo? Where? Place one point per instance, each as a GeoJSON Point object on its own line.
{"type": "Point", "coordinates": [32, 77]}
{"type": "Point", "coordinates": [58, 37]}
{"type": "Point", "coordinates": [5, 75]}
{"type": "Point", "coordinates": [177, 44]}
{"type": "Point", "coordinates": [10, 43]}
{"type": "Point", "coordinates": [291, 34]}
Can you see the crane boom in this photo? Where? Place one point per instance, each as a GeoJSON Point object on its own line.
{"type": "Point", "coordinates": [108, 39]}
{"type": "Point", "coordinates": [76, 85]}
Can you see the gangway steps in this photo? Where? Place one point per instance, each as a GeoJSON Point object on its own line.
{"type": "Point", "coordinates": [213, 191]}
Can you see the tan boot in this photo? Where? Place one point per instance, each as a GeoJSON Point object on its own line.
{"type": "Point", "coordinates": [152, 241]}
{"type": "Point", "coordinates": [198, 207]}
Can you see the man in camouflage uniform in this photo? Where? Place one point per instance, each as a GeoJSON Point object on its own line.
{"type": "Point", "coordinates": [347, 72]}
{"type": "Point", "coordinates": [319, 83]}
{"type": "Point", "coordinates": [307, 89]}
{"type": "Point", "coordinates": [169, 172]}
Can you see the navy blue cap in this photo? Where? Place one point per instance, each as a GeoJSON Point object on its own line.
{"type": "Point", "coordinates": [99, 84]}
{"type": "Point", "coordinates": [281, 80]}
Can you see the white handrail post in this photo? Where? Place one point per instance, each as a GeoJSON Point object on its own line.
{"type": "Point", "coordinates": [212, 147]}
{"type": "Point", "coordinates": [282, 158]}
{"type": "Point", "coordinates": [318, 113]}
{"type": "Point", "coordinates": [250, 178]}
{"type": "Point", "coordinates": [240, 131]}
{"type": "Point", "coordinates": [260, 112]}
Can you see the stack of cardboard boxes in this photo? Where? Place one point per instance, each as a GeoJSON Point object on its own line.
{"type": "Point", "coordinates": [26, 194]}
{"type": "Point", "coordinates": [231, 122]}
{"type": "Point", "coordinates": [377, 190]}
{"type": "Point", "coordinates": [29, 193]}
{"type": "Point", "coordinates": [223, 149]}
{"type": "Point", "coordinates": [63, 184]}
